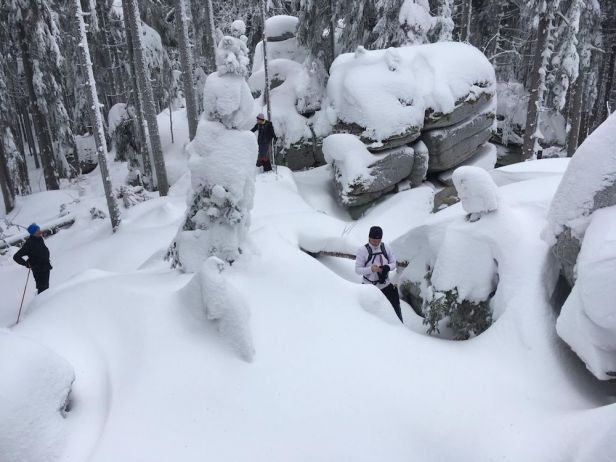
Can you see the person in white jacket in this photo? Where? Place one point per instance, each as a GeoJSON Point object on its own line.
{"type": "Point", "coordinates": [373, 262]}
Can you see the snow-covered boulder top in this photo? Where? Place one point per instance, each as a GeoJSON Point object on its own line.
{"type": "Point", "coordinates": [589, 183]}
{"type": "Point", "coordinates": [34, 385]}
{"type": "Point", "coordinates": [388, 92]}
{"type": "Point", "coordinates": [281, 27]}
{"type": "Point", "coordinates": [477, 191]}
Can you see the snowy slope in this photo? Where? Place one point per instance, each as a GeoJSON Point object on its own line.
{"type": "Point", "coordinates": [335, 376]}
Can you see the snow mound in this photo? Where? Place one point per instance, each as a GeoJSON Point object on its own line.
{"type": "Point", "coordinates": [589, 183]}
{"type": "Point", "coordinates": [588, 319]}
{"type": "Point", "coordinates": [225, 305]}
{"type": "Point", "coordinates": [34, 388]}
{"type": "Point", "coordinates": [281, 26]}
{"type": "Point", "coordinates": [476, 190]}
{"type": "Point", "coordinates": [387, 92]}
{"type": "Point", "coordinates": [227, 98]}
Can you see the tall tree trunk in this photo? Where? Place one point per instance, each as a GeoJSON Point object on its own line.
{"type": "Point", "coordinates": [96, 119]}
{"type": "Point", "coordinates": [30, 137]}
{"type": "Point", "coordinates": [210, 33]}
{"type": "Point", "coordinates": [332, 31]}
{"type": "Point", "coordinates": [465, 26]}
{"type": "Point", "coordinates": [575, 113]}
{"type": "Point", "coordinates": [608, 76]}
{"type": "Point", "coordinates": [141, 124]}
{"type": "Point", "coordinates": [145, 88]}
{"type": "Point", "coordinates": [186, 59]}
{"type": "Point", "coordinates": [39, 121]}
{"type": "Point", "coordinates": [266, 91]}
{"type": "Point", "coordinates": [536, 88]}
{"type": "Point", "coordinates": [6, 186]}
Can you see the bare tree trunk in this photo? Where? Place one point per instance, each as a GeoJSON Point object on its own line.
{"type": "Point", "coordinates": [145, 88]}
{"type": "Point", "coordinates": [575, 114]}
{"type": "Point", "coordinates": [467, 13]}
{"type": "Point", "coordinates": [6, 186]}
{"type": "Point", "coordinates": [30, 137]}
{"type": "Point", "coordinates": [536, 93]}
{"type": "Point", "coordinates": [332, 31]}
{"type": "Point", "coordinates": [96, 119]}
{"type": "Point", "coordinates": [186, 59]}
{"type": "Point", "coordinates": [40, 123]}
{"type": "Point", "coordinates": [266, 92]}
{"type": "Point", "coordinates": [142, 126]}
{"type": "Point", "coordinates": [210, 32]}
{"type": "Point", "coordinates": [609, 83]}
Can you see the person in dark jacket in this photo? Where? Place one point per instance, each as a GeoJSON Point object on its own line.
{"type": "Point", "coordinates": [38, 257]}
{"type": "Point", "coordinates": [265, 135]}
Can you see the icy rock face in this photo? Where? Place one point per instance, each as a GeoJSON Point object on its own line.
{"type": "Point", "coordinates": [589, 184]}
{"type": "Point", "coordinates": [587, 321]}
{"type": "Point", "coordinates": [222, 159]}
{"type": "Point", "coordinates": [296, 89]}
{"type": "Point", "coordinates": [34, 389]}
{"type": "Point", "coordinates": [389, 97]}
{"type": "Point", "coordinates": [360, 177]}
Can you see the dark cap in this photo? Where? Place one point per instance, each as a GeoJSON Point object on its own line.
{"type": "Point", "coordinates": [375, 233]}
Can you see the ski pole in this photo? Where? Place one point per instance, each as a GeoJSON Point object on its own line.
{"type": "Point", "coordinates": [23, 296]}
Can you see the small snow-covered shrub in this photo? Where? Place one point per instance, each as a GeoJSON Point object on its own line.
{"type": "Point", "coordinates": [131, 195]}
{"type": "Point", "coordinates": [97, 214]}
{"type": "Point", "coordinates": [477, 191]}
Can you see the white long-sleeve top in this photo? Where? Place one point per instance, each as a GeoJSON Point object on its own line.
{"type": "Point", "coordinates": [364, 269]}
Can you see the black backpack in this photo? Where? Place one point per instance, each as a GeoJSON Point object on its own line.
{"type": "Point", "coordinates": [372, 255]}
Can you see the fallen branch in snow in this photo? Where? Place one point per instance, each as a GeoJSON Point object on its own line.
{"type": "Point", "coordinates": [48, 229]}
{"type": "Point", "coordinates": [400, 264]}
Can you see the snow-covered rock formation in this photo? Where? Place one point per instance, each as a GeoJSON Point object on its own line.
{"type": "Point", "coordinates": [296, 89]}
{"type": "Point", "coordinates": [442, 95]}
{"type": "Point", "coordinates": [222, 159]}
{"type": "Point", "coordinates": [581, 229]}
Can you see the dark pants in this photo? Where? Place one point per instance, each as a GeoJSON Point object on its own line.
{"type": "Point", "coordinates": [263, 159]}
{"type": "Point", "coordinates": [42, 280]}
{"type": "Point", "coordinates": [391, 292]}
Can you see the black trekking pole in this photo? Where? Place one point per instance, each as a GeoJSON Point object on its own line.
{"type": "Point", "coordinates": [23, 296]}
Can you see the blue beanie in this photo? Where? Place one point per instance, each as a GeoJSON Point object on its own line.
{"type": "Point", "coordinates": [33, 228]}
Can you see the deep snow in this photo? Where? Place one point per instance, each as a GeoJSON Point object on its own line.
{"type": "Point", "coordinates": [334, 375]}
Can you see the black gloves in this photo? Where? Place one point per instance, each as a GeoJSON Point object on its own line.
{"type": "Point", "coordinates": [383, 274]}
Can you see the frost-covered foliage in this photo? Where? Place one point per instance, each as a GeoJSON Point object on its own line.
{"type": "Point", "coordinates": [588, 184]}
{"type": "Point", "coordinates": [34, 389]}
{"type": "Point", "coordinates": [477, 191]}
{"type": "Point", "coordinates": [44, 43]}
{"type": "Point", "coordinates": [232, 57]}
{"type": "Point", "coordinates": [416, 21]}
{"type": "Point", "coordinates": [222, 157]}
{"type": "Point", "coordinates": [131, 195]}
{"type": "Point", "coordinates": [224, 305]}
{"type": "Point", "coordinates": [238, 29]}
{"type": "Point", "coordinates": [587, 322]}
{"type": "Point", "coordinates": [126, 141]}
{"type": "Point", "coordinates": [421, 78]}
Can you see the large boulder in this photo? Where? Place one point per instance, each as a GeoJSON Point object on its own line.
{"type": "Point", "coordinates": [387, 97]}
{"type": "Point", "coordinates": [589, 184]}
{"type": "Point", "coordinates": [451, 146]}
{"type": "Point", "coordinates": [587, 322]}
{"type": "Point", "coordinates": [361, 177]}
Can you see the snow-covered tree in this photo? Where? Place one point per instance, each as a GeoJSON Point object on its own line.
{"type": "Point", "coordinates": [544, 46]}
{"type": "Point", "coordinates": [96, 119]}
{"type": "Point", "coordinates": [222, 157]}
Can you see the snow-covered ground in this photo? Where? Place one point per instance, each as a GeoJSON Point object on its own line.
{"type": "Point", "coordinates": [334, 377]}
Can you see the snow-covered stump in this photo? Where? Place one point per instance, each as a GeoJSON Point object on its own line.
{"type": "Point", "coordinates": [34, 388]}
{"type": "Point", "coordinates": [477, 191]}
{"type": "Point", "coordinates": [222, 159]}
